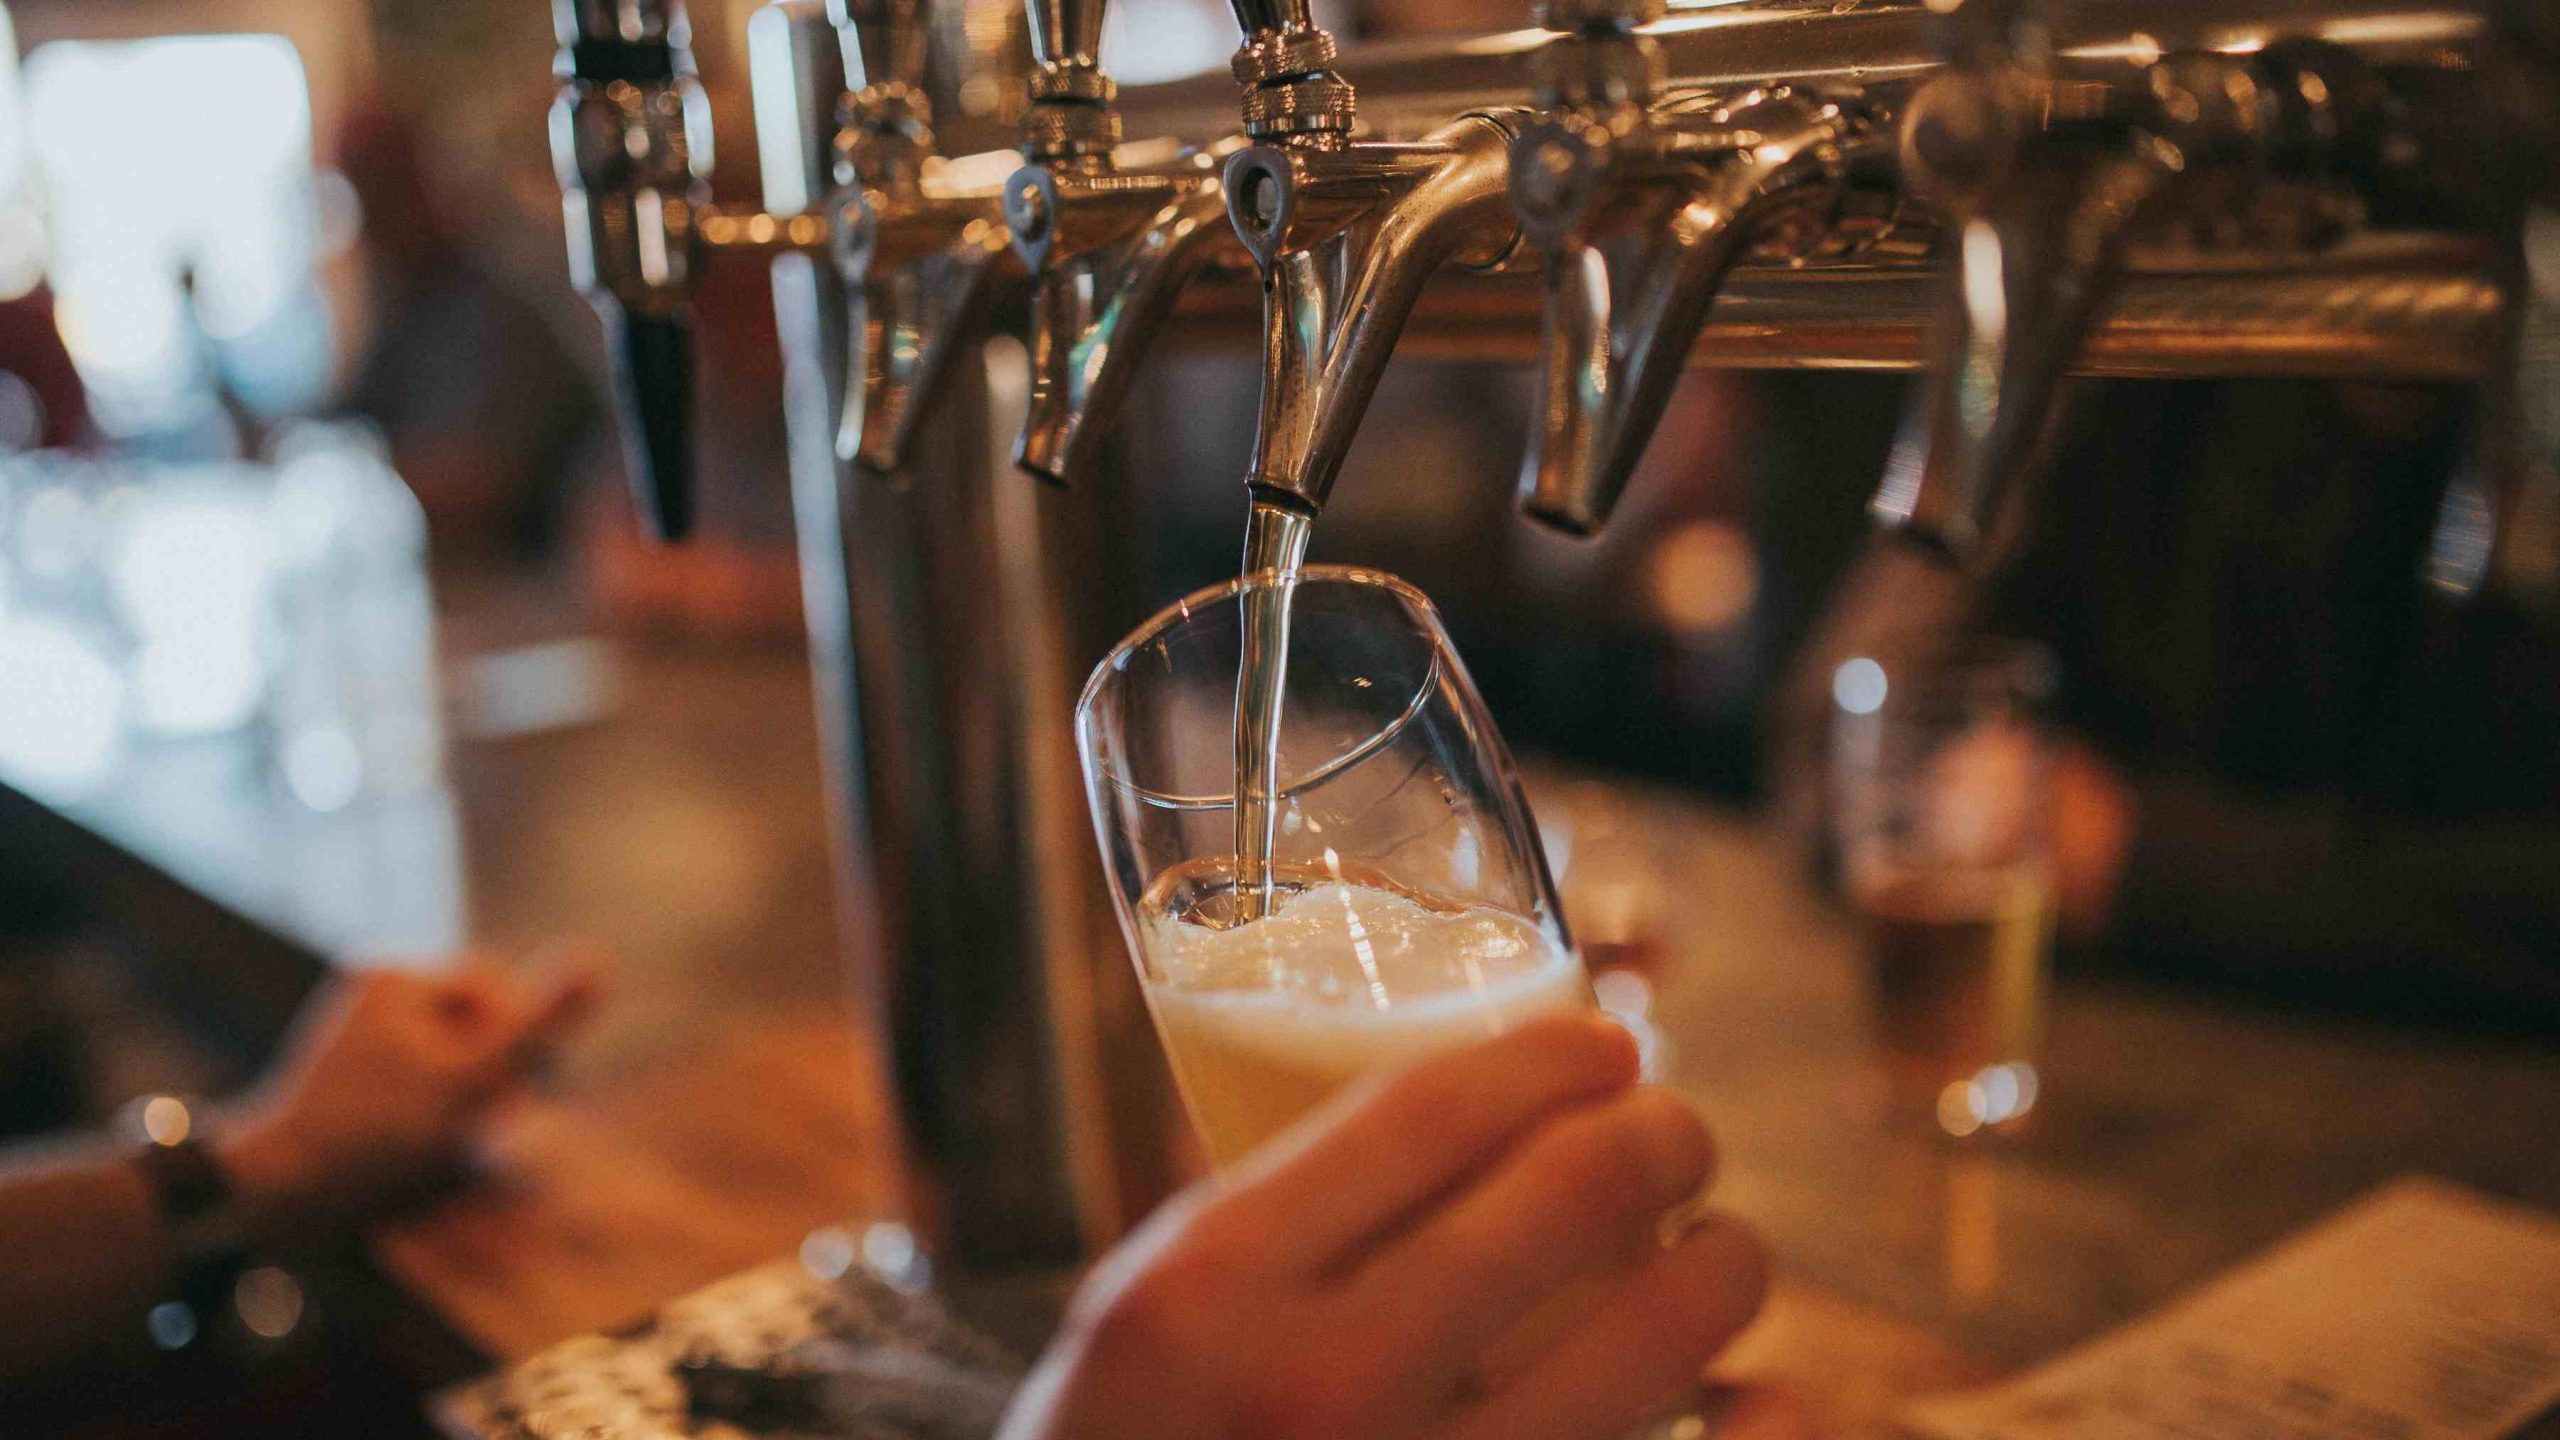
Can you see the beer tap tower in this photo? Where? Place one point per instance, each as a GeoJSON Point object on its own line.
{"type": "Point", "coordinates": [1999, 193]}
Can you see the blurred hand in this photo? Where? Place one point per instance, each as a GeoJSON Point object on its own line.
{"type": "Point", "coordinates": [1350, 1280]}
{"type": "Point", "coordinates": [384, 1080]}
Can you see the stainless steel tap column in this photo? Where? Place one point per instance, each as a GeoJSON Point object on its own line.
{"type": "Point", "coordinates": [946, 639]}
{"type": "Point", "coordinates": [1028, 1085]}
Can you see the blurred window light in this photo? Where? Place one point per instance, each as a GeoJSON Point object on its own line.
{"type": "Point", "coordinates": [1144, 41]}
{"type": "Point", "coordinates": [62, 712]}
{"type": "Point", "coordinates": [172, 239]}
{"type": "Point", "coordinates": [22, 248]}
{"type": "Point", "coordinates": [189, 574]}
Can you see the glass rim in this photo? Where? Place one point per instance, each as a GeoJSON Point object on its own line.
{"type": "Point", "coordinates": [1155, 627]}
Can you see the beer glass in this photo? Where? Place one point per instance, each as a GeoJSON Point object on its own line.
{"type": "Point", "coordinates": [1941, 812]}
{"type": "Point", "coordinates": [1411, 909]}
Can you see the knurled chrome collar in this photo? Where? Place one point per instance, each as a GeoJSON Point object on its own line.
{"type": "Point", "coordinates": [1052, 128]}
{"type": "Point", "coordinates": [1269, 55]}
{"type": "Point", "coordinates": [1072, 82]}
{"type": "Point", "coordinates": [1312, 104]}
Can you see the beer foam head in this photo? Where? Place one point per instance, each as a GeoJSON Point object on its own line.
{"type": "Point", "coordinates": [1357, 948]}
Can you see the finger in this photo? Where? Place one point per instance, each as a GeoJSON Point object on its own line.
{"type": "Point", "coordinates": [1362, 1165]}
{"type": "Point", "coordinates": [1581, 1197]}
{"type": "Point", "coordinates": [1642, 1347]}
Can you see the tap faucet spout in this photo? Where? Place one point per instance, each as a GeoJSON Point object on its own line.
{"type": "Point", "coordinates": [1345, 238]}
{"type": "Point", "coordinates": [2049, 176]}
{"type": "Point", "coordinates": [2028, 274]}
{"type": "Point", "coordinates": [1110, 252]}
{"type": "Point", "coordinates": [1109, 246]}
{"type": "Point", "coordinates": [920, 244]}
{"type": "Point", "coordinates": [1639, 226]}
{"type": "Point", "coordinates": [2497, 534]}
{"type": "Point", "coordinates": [921, 268]}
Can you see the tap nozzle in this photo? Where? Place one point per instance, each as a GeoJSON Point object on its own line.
{"type": "Point", "coordinates": [1109, 251]}
{"type": "Point", "coordinates": [2497, 534]}
{"type": "Point", "coordinates": [631, 146]}
{"type": "Point", "coordinates": [1345, 237]}
{"type": "Point", "coordinates": [1640, 213]}
{"type": "Point", "coordinates": [1109, 247]}
{"type": "Point", "coordinates": [920, 268]}
{"type": "Point", "coordinates": [2047, 177]}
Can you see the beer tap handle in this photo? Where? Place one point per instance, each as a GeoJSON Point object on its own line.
{"type": "Point", "coordinates": [631, 146]}
{"type": "Point", "coordinates": [652, 373]}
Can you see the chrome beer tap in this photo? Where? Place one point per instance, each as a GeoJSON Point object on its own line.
{"type": "Point", "coordinates": [1641, 206]}
{"type": "Point", "coordinates": [1109, 246]}
{"type": "Point", "coordinates": [2497, 536]}
{"type": "Point", "coordinates": [631, 143]}
{"type": "Point", "coordinates": [2048, 167]}
{"type": "Point", "coordinates": [1345, 232]}
{"type": "Point", "coordinates": [919, 239]}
